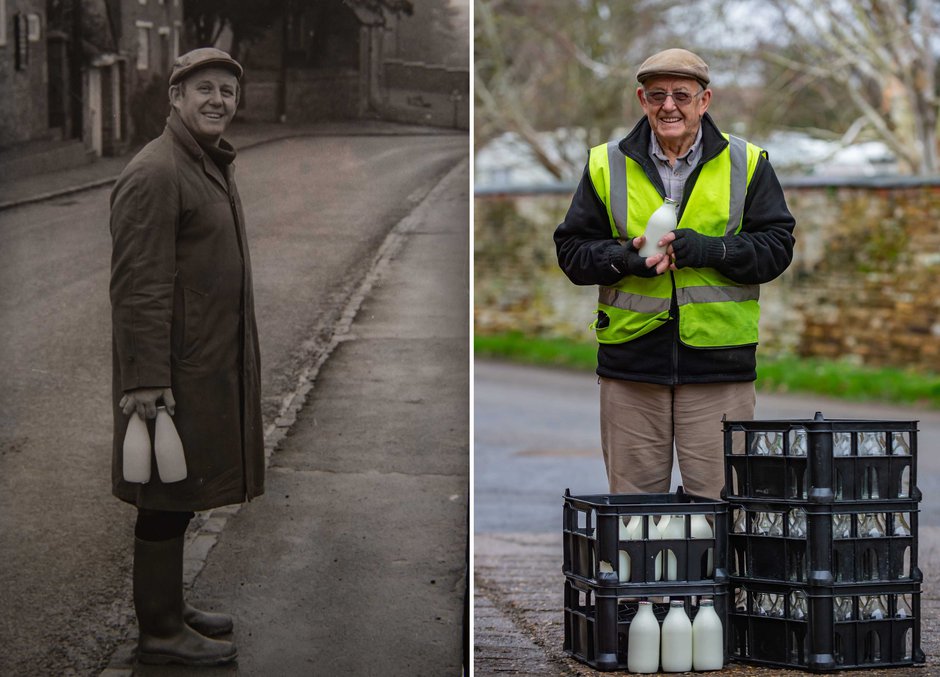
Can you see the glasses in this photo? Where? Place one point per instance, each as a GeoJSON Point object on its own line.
{"type": "Point", "coordinates": [680, 98]}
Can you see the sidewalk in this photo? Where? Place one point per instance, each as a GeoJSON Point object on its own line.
{"type": "Point", "coordinates": [519, 627]}
{"type": "Point", "coordinates": [16, 191]}
{"type": "Point", "coordinates": [354, 561]}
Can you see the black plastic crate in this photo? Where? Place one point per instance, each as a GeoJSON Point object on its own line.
{"type": "Point", "coordinates": [820, 629]}
{"type": "Point", "coordinates": [597, 618]}
{"type": "Point", "coordinates": [821, 460]}
{"type": "Point", "coordinates": [859, 541]}
{"type": "Point", "coordinates": [595, 546]}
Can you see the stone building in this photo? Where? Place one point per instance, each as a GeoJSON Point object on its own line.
{"type": "Point", "coordinates": [340, 60]}
{"type": "Point", "coordinates": [70, 70]}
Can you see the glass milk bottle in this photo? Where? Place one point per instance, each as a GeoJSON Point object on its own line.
{"type": "Point", "coordinates": [632, 531]}
{"type": "Point", "coordinates": [708, 651]}
{"type": "Point", "coordinates": [700, 528]}
{"type": "Point", "coordinates": [136, 451]}
{"type": "Point", "coordinates": [643, 641]}
{"type": "Point", "coordinates": [676, 640]}
{"type": "Point", "coordinates": [674, 528]}
{"type": "Point", "coordinates": [662, 221]}
{"type": "Point", "coordinates": [167, 447]}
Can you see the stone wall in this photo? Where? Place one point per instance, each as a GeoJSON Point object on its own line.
{"type": "Point", "coordinates": [862, 286]}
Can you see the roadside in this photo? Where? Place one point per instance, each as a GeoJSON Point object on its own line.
{"type": "Point", "coordinates": [535, 435]}
{"type": "Point", "coordinates": [356, 555]}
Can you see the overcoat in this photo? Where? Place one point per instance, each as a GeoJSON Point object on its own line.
{"type": "Point", "coordinates": [183, 316]}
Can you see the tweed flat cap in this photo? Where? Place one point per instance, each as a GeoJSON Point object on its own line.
{"type": "Point", "coordinates": [675, 62]}
{"type": "Point", "coordinates": [204, 57]}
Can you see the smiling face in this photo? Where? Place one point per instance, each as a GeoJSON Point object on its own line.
{"type": "Point", "coordinates": [206, 103]}
{"type": "Point", "coordinates": [675, 125]}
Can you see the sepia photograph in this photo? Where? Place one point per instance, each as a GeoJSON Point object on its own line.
{"type": "Point", "coordinates": [235, 353]}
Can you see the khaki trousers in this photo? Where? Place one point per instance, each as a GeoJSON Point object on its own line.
{"type": "Point", "coordinates": [640, 422]}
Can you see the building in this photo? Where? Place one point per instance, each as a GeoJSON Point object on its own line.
{"type": "Point", "coordinates": [353, 59]}
{"type": "Point", "coordinates": [72, 71]}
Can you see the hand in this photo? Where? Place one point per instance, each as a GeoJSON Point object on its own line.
{"type": "Point", "coordinates": [690, 249]}
{"type": "Point", "coordinates": [144, 402]}
{"type": "Point", "coordinates": [640, 266]}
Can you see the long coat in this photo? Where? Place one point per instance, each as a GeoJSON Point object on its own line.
{"type": "Point", "coordinates": [183, 316]}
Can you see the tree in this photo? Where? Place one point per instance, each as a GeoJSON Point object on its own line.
{"type": "Point", "coordinates": [560, 65]}
{"type": "Point", "coordinates": [880, 54]}
{"type": "Point", "coordinates": [247, 21]}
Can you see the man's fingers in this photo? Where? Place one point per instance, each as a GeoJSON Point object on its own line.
{"type": "Point", "coordinates": [169, 401]}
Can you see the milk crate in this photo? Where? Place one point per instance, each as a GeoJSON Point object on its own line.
{"type": "Point", "coordinates": [822, 544]}
{"type": "Point", "coordinates": [614, 539]}
{"type": "Point", "coordinates": [825, 628]}
{"type": "Point", "coordinates": [597, 617]}
{"type": "Point", "coordinates": [821, 460]}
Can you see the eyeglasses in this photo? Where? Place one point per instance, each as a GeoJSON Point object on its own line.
{"type": "Point", "coordinates": [681, 98]}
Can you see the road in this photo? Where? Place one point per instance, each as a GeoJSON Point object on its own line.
{"type": "Point", "coordinates": [317, 210]}
{"type": "Point", "coordinates": [536, 434]}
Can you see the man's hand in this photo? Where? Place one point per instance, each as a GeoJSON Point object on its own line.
{"type": "Point", "coordinates": [144, 401]}
{"type": "Point", "coordinates": [690, 249]}
{"type": "Point", "coordinates": [638, 265]}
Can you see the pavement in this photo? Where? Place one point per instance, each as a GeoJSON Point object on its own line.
{"type": "Point", "coordinates": [355, 561]}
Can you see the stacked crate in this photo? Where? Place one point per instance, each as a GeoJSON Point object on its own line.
{"type": "Point", "coordinates": [601, 599]}
{"type": "Point", "coordinates": [822, 543]}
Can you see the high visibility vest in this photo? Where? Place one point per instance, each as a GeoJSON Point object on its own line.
{"type": "Point", "coordinates": [714, 312]}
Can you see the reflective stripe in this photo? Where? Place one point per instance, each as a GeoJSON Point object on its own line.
{"type": "Point", "coordinates": [617, 164]}
{"type": "Point", "coordinates": [738, 149]}
{"type": "Point", "coordinates": [711, 294]}
{"type": "Point", "coordinates": [637, 303]}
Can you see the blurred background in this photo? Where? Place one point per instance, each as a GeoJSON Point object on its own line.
{"type": "Point", "coordinates": [843, 96]}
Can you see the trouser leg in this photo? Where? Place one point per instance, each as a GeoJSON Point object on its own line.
{"type": "Point", "coordinates": [698, 430]}
{"type": "Point", "coordinates": [636, 436]}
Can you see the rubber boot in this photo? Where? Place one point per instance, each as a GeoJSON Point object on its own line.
{"type": "Point", "coordinates": [207, 623]}
{"type": "Point", "coordinates": [158, 601]}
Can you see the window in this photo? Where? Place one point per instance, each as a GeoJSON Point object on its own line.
{"type": "Point", "coordinates": [143, 45]}
{"type": "Point", "coordinates": [34, 27]}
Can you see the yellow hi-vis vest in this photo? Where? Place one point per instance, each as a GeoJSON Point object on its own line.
{"type": "Point", "coordinates": [714, 312]}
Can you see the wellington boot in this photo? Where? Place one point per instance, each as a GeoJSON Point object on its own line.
{"type": "Point", "coordinates": [158, 600]}
{"type": "Point", "coordinates": [207, 623]}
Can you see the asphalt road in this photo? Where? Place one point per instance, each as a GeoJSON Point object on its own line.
{"type": "Point", "coordinates": [317, 209]}
{"type": "Point", "coordinates": [536, 434]}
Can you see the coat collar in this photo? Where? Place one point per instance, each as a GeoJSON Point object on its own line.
{"type": "Point", "coordinates": [636, 143]}
{"type": "Point", "coordinates": [185, 139]}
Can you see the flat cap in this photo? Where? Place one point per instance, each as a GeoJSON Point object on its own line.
{"type": "Point", "coordinates": [204, 57]}
{"type": "Point", "coordinates": [675, 62]}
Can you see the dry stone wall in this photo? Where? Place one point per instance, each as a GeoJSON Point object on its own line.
{"type": "Point", "coordinates": [863, 285]}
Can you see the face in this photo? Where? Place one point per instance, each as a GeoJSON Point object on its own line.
{"type": "Point", "coordinates": [206, 102]}
{"type": "Point", "coordinates": [674, 124]}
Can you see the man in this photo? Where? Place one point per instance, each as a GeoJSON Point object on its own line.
{"type": "Point", "coordinates": [184, 332]}
{"type": "Point", "coordinates": [678, 329]}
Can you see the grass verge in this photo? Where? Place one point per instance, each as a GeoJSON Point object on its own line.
{"type": "Point", "coordinates": [789, 374]}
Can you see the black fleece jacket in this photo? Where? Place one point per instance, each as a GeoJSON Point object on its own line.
{"type": "Point", "coordinates": [758, 253]}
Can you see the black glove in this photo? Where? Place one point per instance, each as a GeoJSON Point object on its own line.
{"type": "Point", "coordinates": [694, 250]}
{"type": "Point", "coordinates": [625, 259]}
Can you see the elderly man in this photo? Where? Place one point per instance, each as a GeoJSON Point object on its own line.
{"type": "Point", "coordinates": [678, 329]}
{"type": "Point", "coordinates": [184, 332]}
